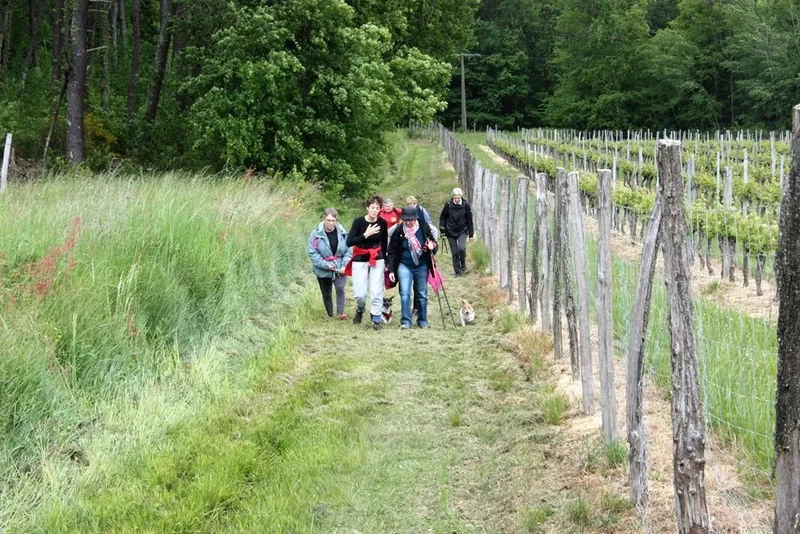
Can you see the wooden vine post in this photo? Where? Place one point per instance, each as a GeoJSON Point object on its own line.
{"type": "Point", "coordinates": [687, 415]}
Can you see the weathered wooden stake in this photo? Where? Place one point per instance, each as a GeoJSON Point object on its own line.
{"type": "Point", "coordinates": [687, 414]}
{"type": "Point", "coordinates": [522, 242]}
{"type": "Point", "coordinates": [6, 159]}
{"type": "Point", "coordinates": [605, 320]}
{"type": "Point", "coordinates": [787, 402]}
{"type": "Point", "coordinates": [579, 251]}
{"type": "Point", "coordinates": [634, 383]}
{"type": "Point", "coordinates": [543, 293]}
{"type": "Point", "coordinates": [569, 288]}
{"type": "Point", "coordinates": [505, 192]}
{"type": "Point", "coordinates": [561, 178]}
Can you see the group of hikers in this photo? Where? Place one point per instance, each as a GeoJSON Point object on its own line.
{"type": "Point", "coordinates": [387, 246]}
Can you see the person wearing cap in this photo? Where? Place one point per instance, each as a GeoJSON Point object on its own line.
{"type": "Point", "coordinates": [409, 262]}
{"type": "Point", "coordinates": [455, 222]}
{"type": "Point", "coordinates": [329, 253]}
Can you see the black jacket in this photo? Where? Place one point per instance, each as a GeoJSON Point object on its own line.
{"type": "Point", "coordinates": [456, 219]}
{"type": "Point", "coordinates": [396, 247]}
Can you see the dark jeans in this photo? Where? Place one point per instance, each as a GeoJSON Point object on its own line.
{"type": "Point", "coordinates": [325, 286]}
{"type": "Point", "coordinates": [458, 246]}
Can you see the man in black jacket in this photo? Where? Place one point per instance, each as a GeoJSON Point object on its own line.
{"type": "Point", "coordinates": [455, 222]}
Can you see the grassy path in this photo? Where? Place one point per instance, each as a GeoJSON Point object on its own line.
{"type": "Point", "coordinates": [345, 429]}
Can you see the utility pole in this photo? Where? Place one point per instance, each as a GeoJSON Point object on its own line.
{"type": "Point", "coordinates": [463, 97]}
{"type": "Point", "coordinates": [464, 92]}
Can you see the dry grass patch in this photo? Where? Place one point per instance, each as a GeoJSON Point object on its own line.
{"type": "Point", "coordinates": [532, 347]}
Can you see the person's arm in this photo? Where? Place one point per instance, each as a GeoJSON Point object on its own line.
{"type": "Point", "coordinates": [470, 231]}
{"type": "Point", "coordinates": [348, 253]}
{"type": "Point", "coordinates": [426, 215]}
{"type": "Point", "coordinates": [313, 253]}
{"type": "Point", "coordinates": [356, 234]}
{"type": "Point", "coordinates": [443, 218]}
{"type": "Point", "coordinates": [392, 254]}
{"type": "Point", "coordinates": [384, 237]}
{"type": "Point", "coordinates": [430, 238]}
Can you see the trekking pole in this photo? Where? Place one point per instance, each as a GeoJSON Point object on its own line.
{"type": "Point", "coordinates": [441, 311]}
{"type": "Point", "coordinates": [449, 309]}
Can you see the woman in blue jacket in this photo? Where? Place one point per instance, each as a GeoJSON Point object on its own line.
{"type": "Point", "coordinates": [329, 254]}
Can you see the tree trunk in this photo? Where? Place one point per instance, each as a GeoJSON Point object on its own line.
{"type": "Point", "coordinates": [134, 60]}
{"type": "Point", "coordinates": [77, 84]}
{"type": "Point", "coordinates": [760, 261]}
{"type": "Point", "coordinates": [123, 26]}
{"type": "Point", "coordinates": [55, 116]}
{"type": "Point", "coordinates": [708, 254]}
{"type": "Point", "coordinates": [105, 30]}
{"type": "Point", "coordinates": [634, 384]}
{"type": "Point", "coordinates": [700, 241]}
{"type": "Point", "coordinates": [5, 42]}
{"type": "Point", "coordinates": [114, 41]}
{"type": "Point", "coordinates": [787, 404]}
{"type": "Point", "coordinates": [745, 268]}
{"type": "Point", "coordinates": [687, 415]}
{"type": "Point", "coordinates": [58, 40]}
{"type": "Point", "coordinates": [162, 52]}
{"type": "Point", "coordinates": [31, 56]}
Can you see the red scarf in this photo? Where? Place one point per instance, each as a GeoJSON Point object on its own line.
{"type": "Point", "coordinates": [358, 251]}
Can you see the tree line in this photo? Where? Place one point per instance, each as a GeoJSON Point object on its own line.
{"type": "Point", "coordinates": [631, 64]}
{"type": "Point", "coordinates": [304, 87]}
{"type": "Point", "coordinates": [308, 87]}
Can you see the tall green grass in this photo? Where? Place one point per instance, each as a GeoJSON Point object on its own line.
{"type": "Point", "coordinates": [111, 288]}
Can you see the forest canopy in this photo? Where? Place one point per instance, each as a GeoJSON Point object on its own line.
{"type": "Point", "coordinates": [309, 87]}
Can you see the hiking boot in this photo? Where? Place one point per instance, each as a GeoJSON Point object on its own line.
{"type": "Point", "coordinates": [358, 316]}
{"type": "Point", "coordinates": [377, 326]}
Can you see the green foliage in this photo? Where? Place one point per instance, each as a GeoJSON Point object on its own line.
{"type": "Point", "coordinates": [298, 86]}
{"type": "Point", "coordinates": [616, 452]}
{"type": "Point", "coordinates": [554, 407]}
{"type": "Point", "coordinates": [108, 285]}
{"type": "Point", "coordinates": [597, 56]}
{"type": "Point", "coordinates": [533, 520]}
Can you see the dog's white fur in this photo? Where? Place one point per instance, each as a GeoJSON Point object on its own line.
{"type": "Point", "coordinates": [467, 312]}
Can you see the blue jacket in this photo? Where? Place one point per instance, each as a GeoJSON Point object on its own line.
{"type": "Point", "coordinates": [319, 248]}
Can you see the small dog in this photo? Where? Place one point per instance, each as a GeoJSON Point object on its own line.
{"type": "Point", "coordinates": [386, 314]}
{"type": "Point", "coordinates": [467, 312]}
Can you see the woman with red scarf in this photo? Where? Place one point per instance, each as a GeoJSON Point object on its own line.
{"type": "Point", "coordinates": [368, 237]}
{"type": "Point", "coordinates": [409, 261]}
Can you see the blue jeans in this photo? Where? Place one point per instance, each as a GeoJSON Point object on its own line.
{"type": "Point", "coordinates": [419, 277]}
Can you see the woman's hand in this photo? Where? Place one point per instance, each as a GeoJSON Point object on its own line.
{"type": "Point", "coordinates": [391, 278]}
{"type": "Point", "coordinates": [372, 229]}
{"type": "Point", "coordinates": [341, 271]}
{"type": "Point", "coordinates": [331, 266]}
{"type": "Point", "coordinates": [431, 244]}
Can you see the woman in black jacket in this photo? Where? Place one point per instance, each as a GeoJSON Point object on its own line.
{"type": "Point", "coordinates": [409, 261]}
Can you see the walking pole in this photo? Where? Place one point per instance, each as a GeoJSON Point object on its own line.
{"type": "Point", "coordinates": [441, 280]}
{"type": "Point", "coordinates": [441, 311]}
